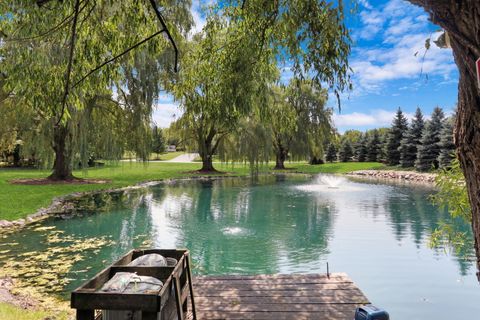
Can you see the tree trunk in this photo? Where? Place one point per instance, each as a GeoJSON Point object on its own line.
{"type": "Point", "coordinates": [281, 156]}
{"type": "Point", "coordinates": [62, 167]}
{"type": "Point", "coordinates": [207, 164]}
{"type": "Point", "coordinates": [461, 19]}
{"type": "Point", "coordinates": [206, 151]}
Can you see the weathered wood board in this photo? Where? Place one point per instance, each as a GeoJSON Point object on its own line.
{"type": "Point", "coordinates": [282, 297]}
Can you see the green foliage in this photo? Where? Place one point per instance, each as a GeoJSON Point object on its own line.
{"type": "Point", "coordinates": [452, 195]}
{"type": "Point", "coordinates": [429, 149]}
{"type": "Point", "coordinates": [331, 155]}
{"type": "Point", "coordinates": [374, 146]}
{"type": "Point", "coordinates": [45, 67]}
{"type": "Point", "coordinates": [353, 136]}
{"type": "Point", "coordinates": [395, 136]}
{"type": "Point", "coordinates": [411, 140]}
{"type": "Point", "coordinates": [447, 147]}
{"type": "Point", "coordinates": [346, 151]}
{"type": "Point", "coordinates": [310, 34]}
{"type": "Point", "coordinates": [361, 148]}
{"type": "Point", "coordinates": [158, 140]}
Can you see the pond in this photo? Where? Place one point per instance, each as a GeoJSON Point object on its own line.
{"type": "Point", "coordinates": [377, 233]}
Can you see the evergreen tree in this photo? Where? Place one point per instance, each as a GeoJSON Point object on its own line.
{"type": "Point", "coordinates": [331, 155]}
{"type": "Point", "coordinates": [429, 149]}
{"type": "Point", "coordinates": [361, 149]}
{"type": "Point", "coordinates": [346, 151]}
{"type": "Point", "coordinates": [382, 147]}
{"type": "Point", "coordinates": [410, 141]}
{"type": "Point", "coordinates": [158, 140]}
{"type": "Point", "coordinates": [447, 147]}
{"type": "Point", "coordinates": [373, 147]}
{"type": "Point", "coordinates": [395, 136]}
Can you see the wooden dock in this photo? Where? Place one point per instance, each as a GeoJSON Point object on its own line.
{"type": "Point", "coordinates": [282, 297]}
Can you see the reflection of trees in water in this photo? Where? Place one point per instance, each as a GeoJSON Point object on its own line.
{"type": "Point", "coordinates": [412, 214]}
{"type": "Point", "coordinates": [270, 222]}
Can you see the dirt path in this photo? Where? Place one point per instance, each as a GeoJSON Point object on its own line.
{"type": "Point", "coordinates": [187, 157]}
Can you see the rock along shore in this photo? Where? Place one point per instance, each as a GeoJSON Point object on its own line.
{"type": "Point", "coordinates": [409, 176]}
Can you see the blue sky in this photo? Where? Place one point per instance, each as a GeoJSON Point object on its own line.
{"type": "Point", "coordinates": [387, 73]}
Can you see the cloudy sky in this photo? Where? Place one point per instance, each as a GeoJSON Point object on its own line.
{"type": "Point", "coordinates": [391, 68]}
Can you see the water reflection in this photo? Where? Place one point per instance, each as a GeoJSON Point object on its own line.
{"type": "Point", "coordinates": [275, 224]}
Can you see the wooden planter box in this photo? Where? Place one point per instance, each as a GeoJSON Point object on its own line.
{"type": "Point", "coordinates": [169, 303]}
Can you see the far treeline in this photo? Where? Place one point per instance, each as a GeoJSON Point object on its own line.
{"type": "Point", "coordinates": [423, 145]}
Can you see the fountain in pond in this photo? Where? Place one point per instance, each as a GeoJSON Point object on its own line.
{"type": "Point", "coordinates": [330, 183]}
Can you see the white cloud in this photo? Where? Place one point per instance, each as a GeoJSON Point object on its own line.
{"type": "Point", "coordinates": [366, 4]}
{"type": "Point", "coordinates": [375, 118]}
{"type": "Point", "coordinates": [165, 113]}
{"type": "Point", "coordinates": [402, 30]}
{"type": "Point", "coordinates": [199, 14]}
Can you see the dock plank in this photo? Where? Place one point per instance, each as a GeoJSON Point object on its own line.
{"type": "Point", "coordinates": [283, 297]}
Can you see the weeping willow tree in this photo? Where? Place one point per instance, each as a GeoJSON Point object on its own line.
{"type": "Point", "coordinates": [217, 83]}
{"type": "Point", "coordinates": [67, 61]}
{"type": "Point", "coordinates": [232, 62]}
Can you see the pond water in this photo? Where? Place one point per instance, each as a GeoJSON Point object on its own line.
{"type": "Point", "coordinates": [377, 233]}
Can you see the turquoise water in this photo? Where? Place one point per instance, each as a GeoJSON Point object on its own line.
{"type": "Point", "coordinates": [376, 233]}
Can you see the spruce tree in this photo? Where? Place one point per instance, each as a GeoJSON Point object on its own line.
{"type": "Point", "coordinates": [361, 148]}
{"type": "Point", "coordinates": [395, 136]}
{"type": "Point", "coordinates": [429, 149]}
{"type": "Point", "coordinates": [346, 151]}
{"type": "Point", "coordinates": [447, 147]}
{"type": "Point", "coordinates": [331, 155]}
{"type": "Point", "coordinates": [382, 147]}
{"type": "Point", "coordinates": [410, 141]}
{"type": "Point", "coordinates": [373, 147]}
{"type": "Point", "coordinates": [158, 140]}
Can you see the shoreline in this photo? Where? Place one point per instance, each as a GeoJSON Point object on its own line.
{"type": "Point", "coordinates": [63, 204]}
{"type": "Point", "coordinates": [395, 176]}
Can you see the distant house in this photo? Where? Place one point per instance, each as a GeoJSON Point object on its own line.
{"type": "Point", "coordinates": [171, 148]}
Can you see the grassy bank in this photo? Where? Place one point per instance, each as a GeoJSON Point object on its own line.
{"type": "Point", "coordinates": [18, 201]}
{"type": "Point", "coordinates": [11, 312]}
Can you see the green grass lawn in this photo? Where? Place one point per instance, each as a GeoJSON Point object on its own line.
{"type": "Point", "coordinates": [18, 201]}
{"type": "Point", "coordinates": [10, 312]}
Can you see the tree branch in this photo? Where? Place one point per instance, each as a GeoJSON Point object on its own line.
{"type": "Point", "coordinates": [116, 57]}
{"type": "Point", "coordinates": [70, 61]}
{"type": "Point", "coordinates": [165, 28]}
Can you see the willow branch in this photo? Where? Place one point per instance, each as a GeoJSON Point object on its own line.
{"type": "Point", "coordinates": [49, 31]}
{"type": "Point", "coordinates": [116, 57]}
{"type": "Point", "coordinates": [70, 61]}
{"type": "Point", "coordinates": [167, 32]}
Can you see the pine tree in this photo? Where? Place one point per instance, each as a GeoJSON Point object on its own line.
{"type": "Point", "coordinates": [447, 147]}
{"type": "Point", "coordinates": [361, 148]}
{"type": "Point", "coordinates": [331, 153]}
{"type": "Point", "coordinates": [409, 143]}
{"type": "Point", "coordinates": [429, 149]}
{"type": "Point", "coordinates": [158, 140]}
{"type": "Point", "coordinates": [346, 151]}
{"type": "Point", "coordinates": [395, 136]}
{"type": "Point", "coordinates": [373, 147]}
{"type": "Point", "coordinates": [382, 146]}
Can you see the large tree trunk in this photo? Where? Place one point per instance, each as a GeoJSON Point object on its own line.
{"type": "Point", "coordinates": [461, 19]}
{"type": "Point", "coordinates": [62, 167]}
{"type": "Point", "coordinates": [206, 151]}
{"type": "Point", "coordinates": [207, 163]}
{"type": "Point", "coordinates": [280, 157]}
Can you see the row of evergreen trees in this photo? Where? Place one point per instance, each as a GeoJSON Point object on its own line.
{"type": "Point", "coordinates": [422, 144]}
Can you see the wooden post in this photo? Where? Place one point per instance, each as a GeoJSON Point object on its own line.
{"type": "Point", "coordinates": [178, 296]}
{"type": "Point", "coordinates": [190, 286]}
{"type": "Point", "coordinates": [85, 314]}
